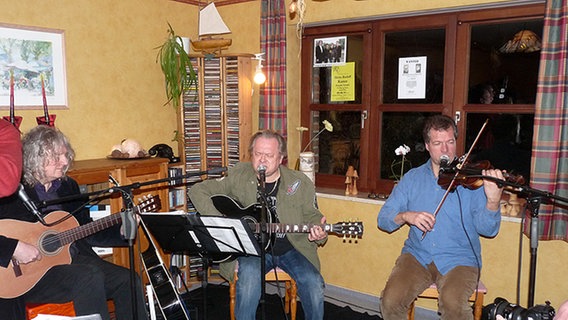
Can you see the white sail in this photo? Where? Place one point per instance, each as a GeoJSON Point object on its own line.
{"type": "Point", "coordinates": [210, 21]}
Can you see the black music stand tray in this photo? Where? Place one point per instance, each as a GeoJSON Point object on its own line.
{"type": "Point", "coordinates": [209, 236]}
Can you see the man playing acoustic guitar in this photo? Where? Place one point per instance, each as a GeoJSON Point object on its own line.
{"type": "Point", "coordinates": [290, 198]}
{"type": "Point", "coordinates": [88, 280]}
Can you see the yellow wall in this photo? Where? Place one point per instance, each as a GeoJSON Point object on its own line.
{"type": "Point", "coordinates": [115, 90]}
{"type": "Point", "coordinates": [365, 266]}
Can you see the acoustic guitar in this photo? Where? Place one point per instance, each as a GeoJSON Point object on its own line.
{"type": "Point", "coordinates": [53, 242]}
{"type": "Point", "coordinates": [171, 305]}
{"type": "Point", "coordinates": [229, 207]}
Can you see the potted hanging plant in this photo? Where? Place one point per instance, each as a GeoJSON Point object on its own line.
{"type": "Point", "coordinates": [176, 66]}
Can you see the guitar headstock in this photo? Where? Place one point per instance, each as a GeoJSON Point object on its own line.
{"type": "Point", "coordinates": [348, 228]}
{"type": "Point", "coordinates": [149, 203]}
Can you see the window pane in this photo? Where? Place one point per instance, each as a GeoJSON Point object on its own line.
{"type": "Point", "coordinates": [416, 43]}
{"type": "Point", "coordinates": [336, 150]}
{"type": "Point", "coordinates": [323, 67]}
{"type": "Point", "coordinates": [506, 140]}
{"type": "Point", "coordinates": [402, 128]}
{"type": "Point", "coordinates": [512, 76]}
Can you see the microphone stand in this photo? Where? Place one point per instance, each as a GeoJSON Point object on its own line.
{"type": "Point", "coordinates": [130, 230]}
{"type": "Point", "coordinates": [534, 199]}
{"type": "Point", "coordinates": [263, 239]}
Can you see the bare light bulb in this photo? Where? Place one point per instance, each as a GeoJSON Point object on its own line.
{"type": "Point", "coordinates": [259, 77]}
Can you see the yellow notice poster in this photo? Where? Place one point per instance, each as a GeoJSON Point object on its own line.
{"type": "Point", "coordinates": [343, 82]}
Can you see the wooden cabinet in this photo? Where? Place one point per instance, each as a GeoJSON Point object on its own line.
{"type": "Point", "coordinates": [126, 172]}
{"type": "Point", "coordinates": [215, 116]}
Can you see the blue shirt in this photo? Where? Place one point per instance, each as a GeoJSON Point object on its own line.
{"type": "Point", "coordinates": [463, 217]}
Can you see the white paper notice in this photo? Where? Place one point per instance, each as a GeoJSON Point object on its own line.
{"type": "Point", "coordinates": [412, 78]}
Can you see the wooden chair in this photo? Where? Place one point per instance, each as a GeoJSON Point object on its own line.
{"type": "Point", "coordinates": [476, 297]}
{"type": "Point", "coordinates": [289, 299]}
{"type": "Point", "coordinates": [60, 309]}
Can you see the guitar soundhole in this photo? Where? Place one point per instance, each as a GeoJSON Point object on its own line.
{"type": "Point", "coordinates": [50, 244]}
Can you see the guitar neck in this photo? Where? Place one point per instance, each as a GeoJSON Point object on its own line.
{"type": "Point", "coordinates": [88, 229]}
{"type": "Point", "coordinates": [290, 228]}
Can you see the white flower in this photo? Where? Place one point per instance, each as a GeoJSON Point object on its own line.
{"type": "Point", "coordinates": [402, 150]}
{"type": "Point", "coordinates": [302, 129]}
{"type": "Point", "coordinates": [326, 126]}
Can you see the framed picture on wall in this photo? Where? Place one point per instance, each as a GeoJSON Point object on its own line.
{"type": "Point", "coordinates": [330, 51]}
{"type": "Point", "coordinates": [27, 54]}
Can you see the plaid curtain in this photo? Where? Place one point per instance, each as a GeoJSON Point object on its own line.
{"type": "Point", "coordinates": [272, 104]}
{"type": "Point", "coordinates": [549, 166]}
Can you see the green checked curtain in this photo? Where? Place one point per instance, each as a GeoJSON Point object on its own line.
{"type": "Point", "coordinates": [549, 166]}
{"type": "Point", "coordinates": [272, 104]}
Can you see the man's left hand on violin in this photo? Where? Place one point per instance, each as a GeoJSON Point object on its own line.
{"type": "Point", "coordinates": [493, 189]}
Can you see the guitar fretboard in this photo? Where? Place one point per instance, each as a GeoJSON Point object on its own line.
{"type": "Point", "coordinates": [86, 230]}
{"type": "Point", "coordinates": [289, 228]}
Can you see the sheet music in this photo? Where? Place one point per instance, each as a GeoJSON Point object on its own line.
{"type": "Point", "coordinates": [225, 234]}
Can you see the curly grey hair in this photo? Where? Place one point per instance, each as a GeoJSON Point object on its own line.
{"type": "Point", "coordinates": [40, 145]}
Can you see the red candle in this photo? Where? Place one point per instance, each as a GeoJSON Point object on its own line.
{"type": "Point", "coordinates": [47, 119]}
{"type": "Point", "coordinates": [44, 100]}
{"type": "Point", "coordinates": [11, 95]}
{"type": "Point", "coordinates": [15, 120]}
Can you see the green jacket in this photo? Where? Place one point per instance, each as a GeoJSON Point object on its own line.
{"type": "Point", "coordinates": [296, 203]}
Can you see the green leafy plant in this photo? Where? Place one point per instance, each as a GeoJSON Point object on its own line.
{"type": "Point", "coordinates": [176, 66]}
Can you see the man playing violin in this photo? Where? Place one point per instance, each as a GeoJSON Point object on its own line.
{"type": "Point", "coordinates": [443, 245]}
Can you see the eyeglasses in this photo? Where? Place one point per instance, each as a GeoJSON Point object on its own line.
{"type": "Point", "coordinates": [377, 196]}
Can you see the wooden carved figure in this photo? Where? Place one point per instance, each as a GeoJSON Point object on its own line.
{"type": "Point", "coordinates": [351, 181]}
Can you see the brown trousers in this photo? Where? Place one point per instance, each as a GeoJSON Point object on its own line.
{"type": "Point", "coordinates": [409, 278]}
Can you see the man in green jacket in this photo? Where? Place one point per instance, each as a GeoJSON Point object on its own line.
{"type": "Point", "coordinates": [291, 199]}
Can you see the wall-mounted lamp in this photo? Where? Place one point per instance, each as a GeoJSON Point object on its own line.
{"type": "Point", "coordinates": [259, 76]}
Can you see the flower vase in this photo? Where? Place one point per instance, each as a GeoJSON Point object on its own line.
{"type": "Point", "coordinates": [306, 164]}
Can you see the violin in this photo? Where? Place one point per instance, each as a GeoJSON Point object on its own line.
{"type": "Point", "coordinates": [469, 175]}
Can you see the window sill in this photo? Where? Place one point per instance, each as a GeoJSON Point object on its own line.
{"type": "Point", "coordinates": [339, 194]}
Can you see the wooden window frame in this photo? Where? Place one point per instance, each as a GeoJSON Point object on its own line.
{"type": "Point", "coordinates": [457, 27]}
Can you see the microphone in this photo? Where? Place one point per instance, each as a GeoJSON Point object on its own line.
{"type": "Point", "coordinates": [262, 177]}
{"type": "Point", "coordinates": [444, 163]}
{"type": "Point", "coordinates": [30, 205]}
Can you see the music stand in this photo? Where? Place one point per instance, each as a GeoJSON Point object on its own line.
{"type": "Point", "coordinates": [207, 235]}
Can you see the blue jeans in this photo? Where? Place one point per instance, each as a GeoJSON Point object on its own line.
{"type": "Point", "coordinates": [308, 278]}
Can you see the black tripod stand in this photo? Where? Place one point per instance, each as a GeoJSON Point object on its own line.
{"type": "Point", "coordinates": [534, 199]}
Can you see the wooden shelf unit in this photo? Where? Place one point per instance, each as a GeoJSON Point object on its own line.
{"type": "Point", "coordinates": [126, 172]}
{"type": "Point", "coordinates": [215, 116]}
{"type": "Point", "coordinates": [215, 123]}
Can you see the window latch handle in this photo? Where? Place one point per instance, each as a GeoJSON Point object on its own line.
{"type": "Point", "coordinates": [364, 117]}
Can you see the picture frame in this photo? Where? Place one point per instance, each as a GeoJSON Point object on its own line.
{"type": "Point", "coordinates": [30, 52]}
{"type": "Point", "coordinates": [330, 51]}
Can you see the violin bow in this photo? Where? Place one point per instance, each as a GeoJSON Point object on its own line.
{"type": "Point", "coordinates": [459, 165]}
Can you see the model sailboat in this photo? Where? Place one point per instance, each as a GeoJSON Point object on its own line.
{"type": "Point", "coordinates": [210, 25]}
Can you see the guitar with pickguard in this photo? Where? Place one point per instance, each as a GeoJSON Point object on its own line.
{"type": "Point", "coordinates": [231, 208]}
{"type": "Point", "coordinates": [171, 305]}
